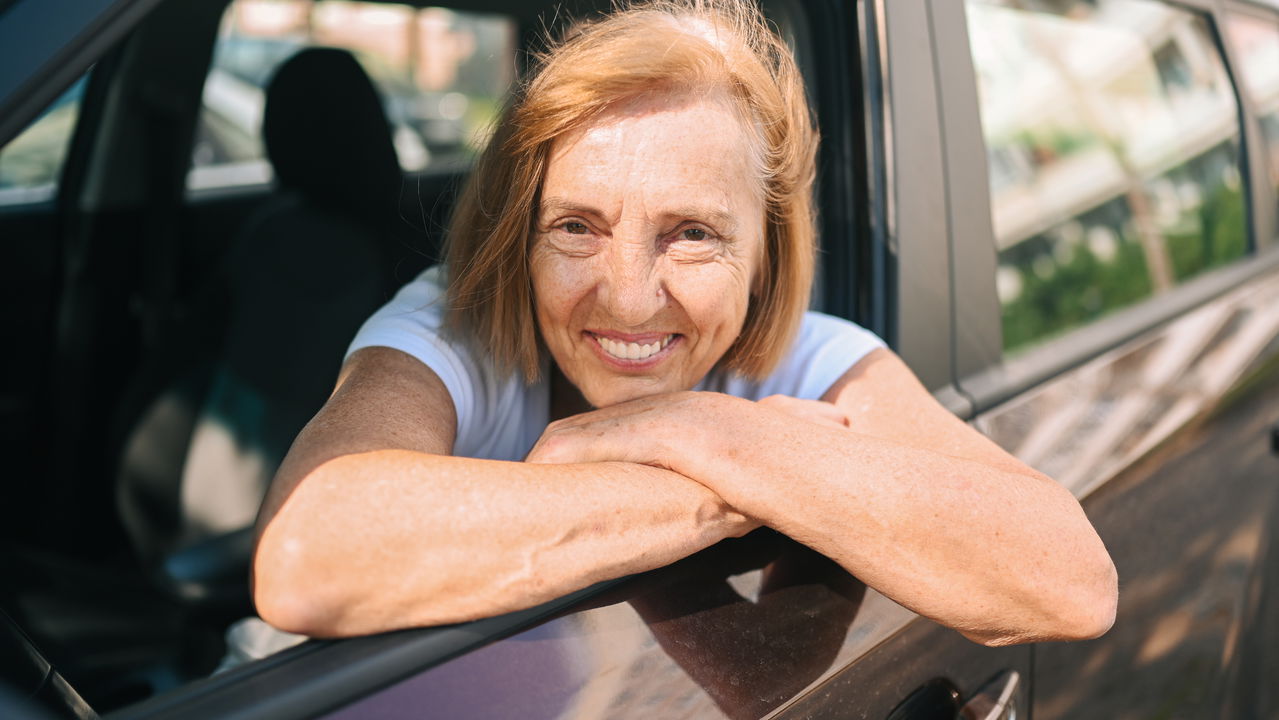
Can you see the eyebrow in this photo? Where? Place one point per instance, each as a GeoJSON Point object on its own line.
{"type": "Point", "coordinates": [722, 220]}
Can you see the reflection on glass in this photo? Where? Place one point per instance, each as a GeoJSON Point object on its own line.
{"type": "Point", "coordinates": [1256, 44]}
{"type": "Point", "coordinates": [31, 163]}
{"type": "Point", "coordinates": [442, 75]}
{"type": "Point", "coordinates": [1113, 144]}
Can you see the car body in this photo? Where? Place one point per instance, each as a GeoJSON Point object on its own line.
{"type": "Point", "coordinates": [1161, 413]}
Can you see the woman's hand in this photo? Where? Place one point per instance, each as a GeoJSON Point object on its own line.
{"type": "Point", "coordinates": [671, 430]}
{"type": "Point", "coordinates": [654, 431]}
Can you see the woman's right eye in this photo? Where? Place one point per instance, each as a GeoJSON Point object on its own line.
{"type": "Point", "coordinates": [572, 227]}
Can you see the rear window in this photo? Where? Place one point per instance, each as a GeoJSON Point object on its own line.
{"type": "Point", "coordinates": [31, 164]}
{"type": "Point", "coordinates": [1113, 141]}
{"type": "Point", "coordinates": [442, 75]}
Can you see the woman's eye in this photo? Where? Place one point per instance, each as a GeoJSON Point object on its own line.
{"type": "Point", "coordinates": [696, 234]}
{"type": "Point", "coordinates": [575, 228]}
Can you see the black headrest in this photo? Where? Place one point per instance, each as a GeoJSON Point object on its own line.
{"type": "Point", "coordinates": [327, 135]}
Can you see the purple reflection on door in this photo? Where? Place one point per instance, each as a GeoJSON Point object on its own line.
{"type": "Point", "coordinates": [525, 676]}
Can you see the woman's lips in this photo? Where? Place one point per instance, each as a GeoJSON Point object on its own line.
{"type": "Point", "coordinates": [632, 350]}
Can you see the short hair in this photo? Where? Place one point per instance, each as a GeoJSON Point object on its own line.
{"type": "Point", "coordinates": [643, 48]}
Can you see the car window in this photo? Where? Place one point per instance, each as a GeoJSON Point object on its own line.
{"type": "Point", "coordinates": [1113, 142]}
{"type": "Point", "coordinates": [441, 73]}
{"type": "Point", "coordinates": [31, 164]}
{"type": "Point", "coordinates": [1257, 43]}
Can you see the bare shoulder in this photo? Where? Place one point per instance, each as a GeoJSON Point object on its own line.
{"type": "Point", "coordinates": [387, 399]}
{"type": "Point", "coordinates": [882, 397]}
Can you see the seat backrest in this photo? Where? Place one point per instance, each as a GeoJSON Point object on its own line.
{"type": "Point", "coordinates": [307, 268]}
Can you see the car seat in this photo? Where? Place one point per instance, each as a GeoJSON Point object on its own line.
{"type": "Point", "coordinates": [307, 268]}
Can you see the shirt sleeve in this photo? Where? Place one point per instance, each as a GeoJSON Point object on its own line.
{"type": "Point", "coordinates": [825, 349]}
{"type": "Point", "coordinates": [412, 322]}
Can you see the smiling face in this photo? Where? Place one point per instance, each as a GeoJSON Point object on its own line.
{"type": "Point", "coordinates": [648, 239]}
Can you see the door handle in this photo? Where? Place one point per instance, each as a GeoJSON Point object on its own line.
{"type": "Point", "coordinates": [997, 700]}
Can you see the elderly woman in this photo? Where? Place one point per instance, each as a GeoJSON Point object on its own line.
{"type": "Point", "coordinates": [614, 369]}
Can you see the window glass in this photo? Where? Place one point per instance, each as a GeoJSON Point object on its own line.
{"type": "Point", "coordinates": [442, 75]}
{"type": "Point", "coordinates": [31, 164]}
{"type": "Point", "coordinates": [1257, 44]}
{"type": "Point", "coordinates": [1112, 134]}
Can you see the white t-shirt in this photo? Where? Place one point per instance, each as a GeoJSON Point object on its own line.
{"type": "Point", "coordinates": [500, 417]}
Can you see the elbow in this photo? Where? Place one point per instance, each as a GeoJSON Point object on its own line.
{"type": "Point", "coordinates": [288, 595]}
{"type": "Point", "coordinates": [1080, 610]}
{"type": "Point", "coordinates": [1089, 611]}
{"type": "Point", "coordinates": [1084, 609]}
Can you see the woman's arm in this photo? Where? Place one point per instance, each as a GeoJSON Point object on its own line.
{"type": "Point", "coordinates": [908, 498]}
{"type": "Point", "coordinates": [369, 525]}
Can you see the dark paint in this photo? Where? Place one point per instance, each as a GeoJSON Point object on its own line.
{"type": "Point", "coordinates": [1168, 438]}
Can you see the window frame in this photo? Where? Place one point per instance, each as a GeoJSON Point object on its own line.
{"type": "Point", "coordinates": [987, 375]}
{"type": "Point", "coordinates": [1265, 208]}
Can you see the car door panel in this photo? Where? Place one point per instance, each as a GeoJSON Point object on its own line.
{"type": "Point", "coordinates": [1167, 439]}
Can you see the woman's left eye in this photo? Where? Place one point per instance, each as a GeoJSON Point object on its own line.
{"type": "Point", "coordinates": [696, 234]}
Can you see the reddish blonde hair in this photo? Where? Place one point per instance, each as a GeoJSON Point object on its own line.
{"type": "Point", "coordinates": [662, 46]}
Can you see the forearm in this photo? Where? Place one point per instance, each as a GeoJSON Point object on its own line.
{"type": "Point", "coordinates": [394, 538]}
{"type": "Point", "coordinates": [1000, 555]}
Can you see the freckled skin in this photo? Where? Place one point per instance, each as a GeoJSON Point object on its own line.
{"type": "Point", "coordinates": [646, 227]}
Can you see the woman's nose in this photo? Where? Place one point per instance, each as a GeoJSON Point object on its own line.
{"type": "Point", "coordinates": [633, 288]}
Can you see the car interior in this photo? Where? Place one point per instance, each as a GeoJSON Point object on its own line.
{"type": "Point", "coordinates": [168, 344]}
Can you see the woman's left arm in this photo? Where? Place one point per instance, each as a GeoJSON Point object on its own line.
{"type": "Point", "coordinates": [907, 497]}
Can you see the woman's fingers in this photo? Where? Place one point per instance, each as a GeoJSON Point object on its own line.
{"type": "Point", "coordinates": [641, 431]}
{"type": "Point", "coordinates": [822, 413]}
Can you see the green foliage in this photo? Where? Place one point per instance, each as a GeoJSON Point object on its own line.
{"type": "Point", "coordinates": [1084, 287]}
{"type": "Point", "coordinates": [1218, 234]}
{"type": "Point", "coordinates": [1080, 290]}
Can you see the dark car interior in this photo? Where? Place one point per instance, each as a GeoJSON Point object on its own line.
{"type": "Point", "coordinates": [161, 340]}
{"type": "Point", "coordinates": [168, 315]}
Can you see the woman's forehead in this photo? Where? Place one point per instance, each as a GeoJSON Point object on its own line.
{"type": "Point", "coordinates": [669, 143]}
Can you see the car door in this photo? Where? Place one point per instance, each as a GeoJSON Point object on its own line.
{"type": "Point", "coordinates": [1116, 301]}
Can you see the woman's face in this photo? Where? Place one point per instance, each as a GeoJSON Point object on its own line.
{"type": "Point", "coordinates": [648, 239]}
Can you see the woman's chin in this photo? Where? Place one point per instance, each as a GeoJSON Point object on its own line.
{"type": "Point", "coordinates": [623, 390]}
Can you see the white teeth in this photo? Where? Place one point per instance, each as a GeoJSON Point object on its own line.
{"type": "Point", "coordinates": [632, 351]}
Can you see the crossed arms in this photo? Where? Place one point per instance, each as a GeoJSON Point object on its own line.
{"type": "Point", "coordinates": [371, 525]}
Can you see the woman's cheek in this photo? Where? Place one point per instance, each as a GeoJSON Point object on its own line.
{"type": "Point", "coordinates": [559, 283]}
{"type": "Point", "coordinates": [719, 286]}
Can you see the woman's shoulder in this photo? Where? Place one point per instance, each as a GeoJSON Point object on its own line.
{"type": "Point", "coordinates": [484, 398]}
{"type": "Point", "coordinates": [822, 351]}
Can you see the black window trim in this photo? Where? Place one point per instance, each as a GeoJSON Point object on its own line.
{"type": "Point", "coordinates": [59, 54]}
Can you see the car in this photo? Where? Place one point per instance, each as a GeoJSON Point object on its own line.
{"type": "Point", "coordinates": [1062, 214]}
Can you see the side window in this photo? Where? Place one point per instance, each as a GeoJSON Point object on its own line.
{"type": "Point", "coordinates": [1257, 42]}
{"type": "Point", "coordinates": [442, 75]}
{"type": "Point", "coordinates": [1113, 142]}
{"type": "Point", "coordinates": [31, 164]}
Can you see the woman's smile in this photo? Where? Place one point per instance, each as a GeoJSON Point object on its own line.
{"type": "Point", "coordinates": [633, 352]}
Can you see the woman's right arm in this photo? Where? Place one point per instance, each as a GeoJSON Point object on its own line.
{"type": "Point", "coordinates": [371, 525]}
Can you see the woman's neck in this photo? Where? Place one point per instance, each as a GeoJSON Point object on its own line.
{"type": "Point", "coordinates": [566, 399]}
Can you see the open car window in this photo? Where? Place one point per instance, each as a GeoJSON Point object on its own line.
{"type": "Point", "coordinates": [441, 73]}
